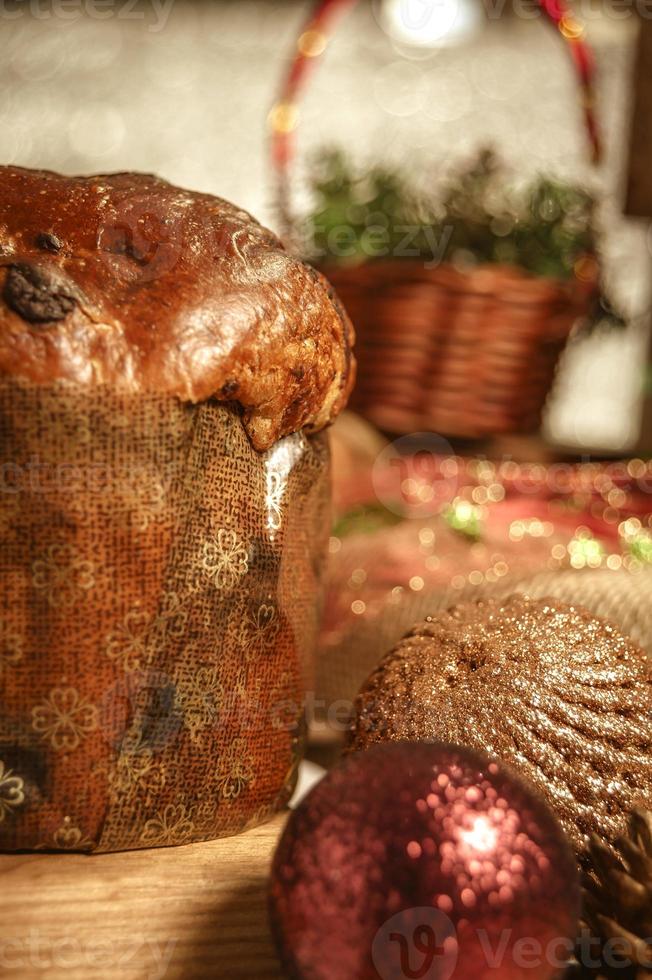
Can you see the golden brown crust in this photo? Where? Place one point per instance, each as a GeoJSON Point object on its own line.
{"type": "Point", "coordinates": [128, 282]}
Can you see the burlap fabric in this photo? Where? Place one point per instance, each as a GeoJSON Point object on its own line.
{"type": "Point", "coordinates": [158, 608]}
{"type": "Point", "coordinates": [621, 596]}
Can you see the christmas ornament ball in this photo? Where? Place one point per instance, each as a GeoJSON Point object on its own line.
{"type": "Point", "coordinates": [558, 694]}
{"type": "Point", "coordinates": [423, 860]}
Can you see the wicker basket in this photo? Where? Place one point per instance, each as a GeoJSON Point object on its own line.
{"type": "Point", "coordinates": [461, 352]}
{"type": "Point", "coordinates": [466, 353]}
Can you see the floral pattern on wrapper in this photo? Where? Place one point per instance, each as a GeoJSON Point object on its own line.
{"type": "Point", "coordinates": [156, 614]}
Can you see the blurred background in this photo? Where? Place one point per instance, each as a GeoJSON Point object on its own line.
{"type": "Point", "coordinates": [184, 88]}
{"type": "Point", "coordinates": [499, 439]}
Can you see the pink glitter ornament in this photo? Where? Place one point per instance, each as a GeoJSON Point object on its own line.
{"type": "Point", "coordinates": [423, 860]}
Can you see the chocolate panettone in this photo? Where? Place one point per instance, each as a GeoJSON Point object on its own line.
{"type": "Point", "coordinates": [165, 371]}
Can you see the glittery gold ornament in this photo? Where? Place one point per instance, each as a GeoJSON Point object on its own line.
{"type": "Point", "coordinates": [558, 694]}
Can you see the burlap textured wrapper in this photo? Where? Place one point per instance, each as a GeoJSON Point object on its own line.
{"type": "Point", "coordinates": [158, 608]}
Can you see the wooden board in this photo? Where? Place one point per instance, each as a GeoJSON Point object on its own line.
{"type": "Point", "coordinates": [180, 913]}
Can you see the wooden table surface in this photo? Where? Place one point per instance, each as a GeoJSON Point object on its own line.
{"type": "Point", "coordinates": [176, 913]}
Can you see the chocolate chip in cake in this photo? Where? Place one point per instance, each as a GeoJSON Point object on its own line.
{"type": "Point", "coordinates": [229, 389]}
{"type": "Point", "coordinates": [48, 242]}
{"type": "Point", "coordinates": [36, 295]}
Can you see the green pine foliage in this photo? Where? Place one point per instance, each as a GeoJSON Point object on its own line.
{"type": "Point", "coordinates": [476, 216]}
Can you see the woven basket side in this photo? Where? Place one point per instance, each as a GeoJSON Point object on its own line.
{"type": "Point", "coordinates": [463, 352]}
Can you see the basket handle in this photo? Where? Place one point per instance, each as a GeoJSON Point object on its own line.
{"type": "Point", "coordinates": [313, 41]}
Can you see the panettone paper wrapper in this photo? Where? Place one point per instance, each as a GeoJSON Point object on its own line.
{"type": "Point", "coordinates": [159, 584]}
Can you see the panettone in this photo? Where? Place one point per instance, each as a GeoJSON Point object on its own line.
{"type": "Point", "coordinates": [165, 369]}
{"type": "Point", "coordinates": [126, 281]}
